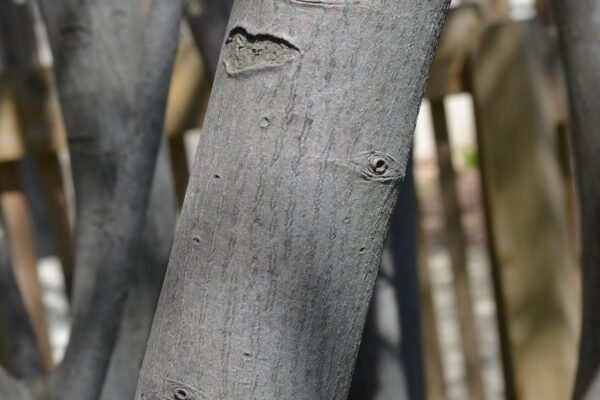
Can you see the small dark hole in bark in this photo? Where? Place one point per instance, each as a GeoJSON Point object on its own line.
{"type": "Point", "coordinates": [196, 240]}
{"type": "Point", "coordinates": [265, 122]}
{"type": "Point", "coordinates": [379, 166]}
{"type": "Point", "coordinates": [376, 166]}
{"type": "Point", "coordinates": [181, 394]}
{"type": "Point", "coordinates": [217, 176]}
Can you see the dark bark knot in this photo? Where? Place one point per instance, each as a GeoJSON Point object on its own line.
{"type": "Point", "coordinates": [377, 166]}
{"type": "Point", "coordinates": [244, 51]}
{"type": "Point", "coordinates": [326, 3]}
{"type": "Point", "coordinates": [181, 391]}
{"type": "Point", "coordinates": [181, 394]}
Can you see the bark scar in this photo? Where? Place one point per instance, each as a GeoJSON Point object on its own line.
{"type": "Point", "coordinates": [176, 390]}
{"type": "Point", "coordinates": [245, 51]}
{"type": "Point", "coordinates": [377, 166]}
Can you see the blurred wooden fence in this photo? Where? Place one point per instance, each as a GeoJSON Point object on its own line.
{"type": "Point", "coordinates": [512, 72]}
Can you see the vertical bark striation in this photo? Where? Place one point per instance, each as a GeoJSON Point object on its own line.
{"type": "Point", "coordinates": [579, 24]}
{"type": "Point", "coordinates": [294, 182]}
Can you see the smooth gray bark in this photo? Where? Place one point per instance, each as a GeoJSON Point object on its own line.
{"type": "Point", "coordinates": [96, 86]}
{"type": "Point", "coordinates": [129, 350]}
{"type": "Point", "coordinates": [113, 76]}
{"type": "Point", "coordinates": [305, 141]}
{"type": "Point", "coordinates": [579, 25]}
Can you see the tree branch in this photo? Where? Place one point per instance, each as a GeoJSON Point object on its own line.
{"type": "Point", "coordinates": [11, 388]}
{"type": "Point", "coordinates": [579, 26]}
{"type": "Point", "coordinates": [24, 352]}
{"type": "Point", "coordinates": [151, 265]}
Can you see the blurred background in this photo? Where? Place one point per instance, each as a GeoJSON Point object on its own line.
{"type": "Point", "coordinates": [478, 295]}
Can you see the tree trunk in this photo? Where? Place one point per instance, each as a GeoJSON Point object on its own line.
{"type": "Point", "coordinates": [113, 94]}
{"type": "Point", "coordinates": [113, 74]}
{"type": "Point", "coordinates": [390, 358]}
{"type": "Point", "coordinates": [157, 238]}
{"type": "Point", "coordinates": [207, 20]}
{"type": "Point", "coordinates": [579, 24]}
{"type": "Point", "coordinates": [305, 141]}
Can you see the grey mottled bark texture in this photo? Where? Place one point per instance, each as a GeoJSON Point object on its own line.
{"type": "Point", "coordinates": [579, 25]}
{"type": "Point", "coordinates": [11, 388]}
{"type": "Point", "coordinates": [390, 359]}
{"type": "Point", "coordinates": [295, 179]}
{"type": "Point", "coordinates": [143, 295]}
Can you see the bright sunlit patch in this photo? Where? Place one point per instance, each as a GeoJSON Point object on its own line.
{"type": "Point", "coordinates": [56, 304]}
